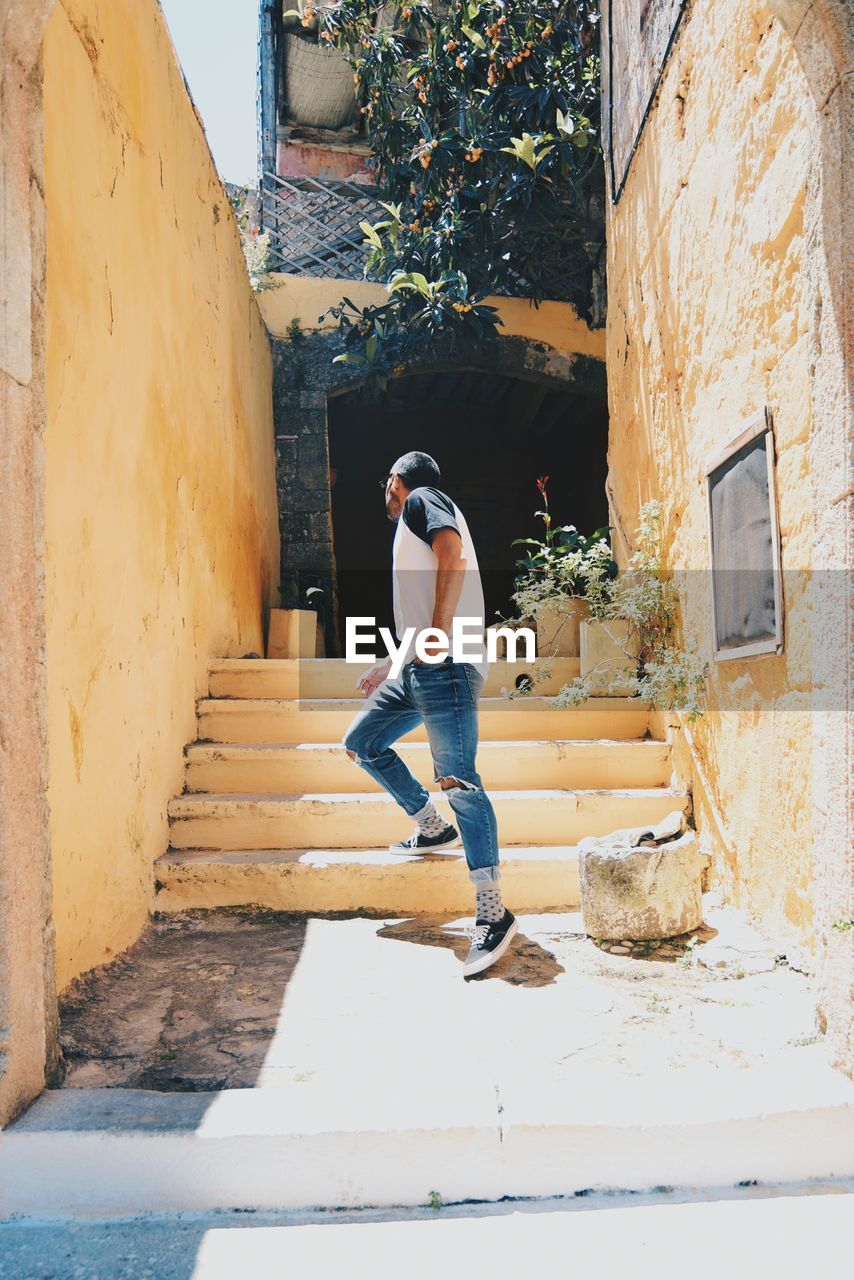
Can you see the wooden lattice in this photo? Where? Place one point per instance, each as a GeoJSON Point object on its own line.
{"type": "Point", "coordinates": [313, 224]}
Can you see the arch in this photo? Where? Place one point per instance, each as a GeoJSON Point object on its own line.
{"type": "Point", "coordinates": [28, 1024]}
{"type": "Point", "coordinates": [305, 379]}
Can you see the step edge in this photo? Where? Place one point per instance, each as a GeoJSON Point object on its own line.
{"type": "Point", "coordinates": [202, 799]}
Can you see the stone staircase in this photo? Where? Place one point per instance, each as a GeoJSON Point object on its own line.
{"type": "Point", "coordinates": [353, 1067]}
{"type": "Point", "coordinates": [273, 812]}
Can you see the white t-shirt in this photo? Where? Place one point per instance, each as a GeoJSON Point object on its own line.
{"type": "Point", "coordinates": [425, 511]}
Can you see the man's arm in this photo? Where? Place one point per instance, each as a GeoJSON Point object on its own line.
{"type": "Point", "coordinates": [448, 549]}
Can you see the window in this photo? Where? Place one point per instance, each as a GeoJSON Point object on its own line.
{"type": "Point", "coordinates": [747, 600]}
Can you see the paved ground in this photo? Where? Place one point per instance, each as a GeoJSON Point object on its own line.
{"type": "Point", "coordinates": [246, 997]}
{"type": "Point", "coordinates": [785, 1232]}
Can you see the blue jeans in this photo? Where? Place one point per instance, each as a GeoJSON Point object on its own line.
{"type": "Point", "coordinates": [444, 696]}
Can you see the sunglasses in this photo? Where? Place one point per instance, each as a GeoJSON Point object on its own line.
{"type": "Point", "coordinates": [383, 483]}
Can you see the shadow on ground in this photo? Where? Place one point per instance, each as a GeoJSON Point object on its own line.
{"type": "Point", "coordinates": [525, 964]}
{"type": "Point", "coordinates": [192, 1006]}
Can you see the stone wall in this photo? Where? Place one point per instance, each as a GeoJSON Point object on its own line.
{"type": "Point", "coordinates": [161, 540]}
{"type": "Point", "coordinates": [727, 292]}
{"type": "Point", "coordinates": [28, 1021]}
{"type": "Point", "coordinates": [303, 375]}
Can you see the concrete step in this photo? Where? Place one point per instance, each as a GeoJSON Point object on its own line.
{"type": "Point", "coordinates": [314, 766]}
{"type": "Point", "coordinates": [779, 1223]}
{"type": "Point", "coordinates": [372, 881]}
{"type": "Point", "coordinates": [249, 720]}
{"type": "Point", "coordinates": [349, 1139]}
{"type": "Point", "coordinates": [335, 678]}
{"type": "Point", "coordinates": [361, 821]}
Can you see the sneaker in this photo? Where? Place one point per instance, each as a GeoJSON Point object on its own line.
{"type": "Point", "coordinates": [419, 843]}
{"type": "Point", "coordinates": [489, 942]}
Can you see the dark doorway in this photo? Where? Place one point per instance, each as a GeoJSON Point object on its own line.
{"type": "Point", "coordinates": [492, 436]}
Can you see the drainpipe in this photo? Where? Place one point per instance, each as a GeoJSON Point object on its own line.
{"type": "Point", "coordinates": [267, 81]}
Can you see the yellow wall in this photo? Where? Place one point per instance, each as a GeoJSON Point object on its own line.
{"type": "Point", "coordinates": [714, 276]}
{"type": "Point", "coordinates": [304, 299]}
{"type": "Point", "coordinates": [162, 541]}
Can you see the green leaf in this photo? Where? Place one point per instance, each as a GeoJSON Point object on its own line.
{"type": "Point", "coordinates": [475, 36]}
{"type": "Point", "coordinates": [411, 280]}
{"type": "Point", "coordinates": [371, 234]}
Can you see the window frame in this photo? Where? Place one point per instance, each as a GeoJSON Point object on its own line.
{"type": "Point", "coordinates": [757, 425]}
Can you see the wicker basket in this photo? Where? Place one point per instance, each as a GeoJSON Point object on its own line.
{"type": "Point", "coordinates": [318, 84]}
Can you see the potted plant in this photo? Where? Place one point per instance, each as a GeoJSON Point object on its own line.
{"type": "Point", "coordinates": [319, 86]}
{"type": "Point", "coordinates": [295, 630]}
{"type": "Point", "coordinates": [638, 613]}
{"type": "Point", "coordinates": [563, 575]}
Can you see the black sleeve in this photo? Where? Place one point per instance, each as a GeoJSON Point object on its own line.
{"type": "Point", "coordinates": [426, 510]}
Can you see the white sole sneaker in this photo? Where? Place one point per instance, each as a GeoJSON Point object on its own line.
{"type": "Point", "coordinates": [489, 957]}
{"type": "Point", "coordinates": [427, 844]}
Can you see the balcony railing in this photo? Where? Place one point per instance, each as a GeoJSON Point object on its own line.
{"type": "Point", "coordinates": [313, 224]}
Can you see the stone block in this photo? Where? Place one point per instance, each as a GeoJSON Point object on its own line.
{"type": "Point", "coordinates": [558, 628]}
{"type": "Point", "coordinates": [605, 655]}
{"type": "Point", "coordinates": [310, 557]}
{"type": "Point", "coordinates": [647, 892]}
{"type": "Point", "coordinates": [292, 633]}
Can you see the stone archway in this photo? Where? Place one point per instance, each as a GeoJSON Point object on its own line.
{"type": "Point", "coordinates": [27, 990]}
{"type": "Point", "coordinates": [822, 33]}
{"type": "Point", "coordinates": [305, 381]}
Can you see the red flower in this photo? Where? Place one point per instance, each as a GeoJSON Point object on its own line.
{"type": "Point", "coordinates": [542, 481]}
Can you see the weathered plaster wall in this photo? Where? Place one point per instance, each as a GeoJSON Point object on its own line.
{"type": "Point", "coordinates": [303, 299]}
{"type": "Point", "coordinates": [723, 297]}
{"type": "Point", "coordinates": [28, 1014]}
{"type": "Point", "coordinates": [161, 521]}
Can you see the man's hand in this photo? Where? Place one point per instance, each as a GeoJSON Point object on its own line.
{"type": "Point", "coordinates": [372, 678]}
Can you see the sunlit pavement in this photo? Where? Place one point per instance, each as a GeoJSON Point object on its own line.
{"type": "Point", "coordinates": [367, 1072]}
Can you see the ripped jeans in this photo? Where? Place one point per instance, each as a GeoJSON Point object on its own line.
{"type": "Point", "coordinates": [444, 696]}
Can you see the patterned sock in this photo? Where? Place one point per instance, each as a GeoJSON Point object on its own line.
{"type": "Point", "coordinates": [430, 821]}
{"type": "Point", "coordinates": [489, 905]}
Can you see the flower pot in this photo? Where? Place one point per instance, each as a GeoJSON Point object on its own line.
{"type": "Point", "coordinates": [558, 627]}
{"type": "Point", "coordinates": [605, 654]}
{"type": "Point", "coordinates": [640, 893]}
{"type": "Point", "coordinates": [318, 85]}
{"type": "Point", "coordinates": [292, 633]}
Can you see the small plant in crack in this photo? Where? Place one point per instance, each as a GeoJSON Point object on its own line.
{"type": "Point", "coordinates": [434, 1199]}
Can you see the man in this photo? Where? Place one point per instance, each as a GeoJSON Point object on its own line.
{"type": "Point", "coordinates": [435, 578]}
